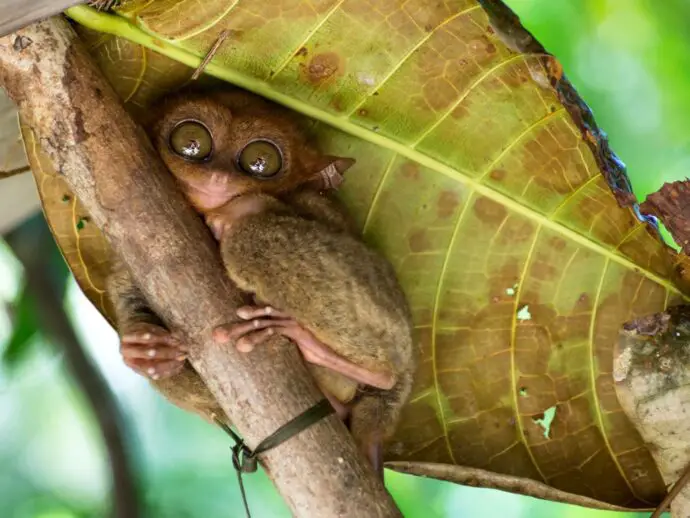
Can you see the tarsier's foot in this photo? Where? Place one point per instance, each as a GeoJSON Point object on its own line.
{"type": "Point", "coordinates": [152, 351]}
{"type": "Point", "coordinates": [262, 322]}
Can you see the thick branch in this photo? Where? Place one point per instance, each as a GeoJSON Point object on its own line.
{"type": "Point", "coordinates": [113, 169]}
{"type": "Point", "coordinates": [33, 246]}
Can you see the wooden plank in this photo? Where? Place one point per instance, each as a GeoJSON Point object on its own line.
{"type": "Point", "coordinates": [15, 14]}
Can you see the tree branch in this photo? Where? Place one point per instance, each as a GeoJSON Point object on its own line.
{"type": "Point", "coordinates": [113, 169]}
{"type": "Point", "coordinates": [33, 246]}
{"type": "Point", "coordinates": [475, 477]}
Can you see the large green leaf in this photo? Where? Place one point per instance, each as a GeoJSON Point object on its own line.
{"type": "Point", "coordinates": [478, 175]}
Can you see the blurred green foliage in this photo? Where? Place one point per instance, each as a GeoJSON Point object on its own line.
{"type": "Point", "coordinates": [628, 59]}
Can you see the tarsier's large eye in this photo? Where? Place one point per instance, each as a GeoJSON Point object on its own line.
{"type": "Point", "coordinates": [261, 158]}
{"type": "Point", "coordinates": [191, 140]}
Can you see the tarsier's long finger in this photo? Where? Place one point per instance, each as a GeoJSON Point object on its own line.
{"type": "Point", "coordinates": [250, 312]}
{"type": "Point", "coordinates": [249, 341]}
{"type": "Point", "coordinates": [151, 334]}
{"type": "Point", "coordinates": [153, 369]}
{"type": "Point", "coordinates": [152, 351]}
{"type": "Point", "coordinates": [235, 331]}
{"type": "Point", "coordinates": [316, 352]}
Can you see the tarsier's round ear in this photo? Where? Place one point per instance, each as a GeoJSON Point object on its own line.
{"type": "Point", "coordinates": [330, 170]}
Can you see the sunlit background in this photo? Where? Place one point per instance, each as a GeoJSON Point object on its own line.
{"type": "Point", "coordinates": [629, 60]}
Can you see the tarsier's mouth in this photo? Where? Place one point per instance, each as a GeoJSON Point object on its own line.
{"type": "Point", "coordinates": [205, 197]}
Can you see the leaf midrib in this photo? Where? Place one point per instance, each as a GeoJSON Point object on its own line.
{"type": "Point", "coordinates": [119, 26]}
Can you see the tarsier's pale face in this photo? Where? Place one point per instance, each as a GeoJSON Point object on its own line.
{"type": "Point", "coordinates": [221, 145]}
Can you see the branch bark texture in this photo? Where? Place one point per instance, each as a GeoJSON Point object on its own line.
{"type": "Point", "coordinates": [652, 380]}
{"type": "Point", "coordinates": [111, 166]}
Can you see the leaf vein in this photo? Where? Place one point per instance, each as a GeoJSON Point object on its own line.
{"type": "Point", "coordinates": [513, 350]}
{"type": "Point", "coordinates": [407, 56]}
{"type": "Point", "coordinates": [434, 325]}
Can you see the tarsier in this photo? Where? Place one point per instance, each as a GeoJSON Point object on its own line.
{"type": "Point", "coordinates": [246, 167]}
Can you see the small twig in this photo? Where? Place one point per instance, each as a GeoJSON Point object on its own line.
{"type": "Point", "coordinates": [211, 53]}
{"type": "Point", "coordinates": [16, 170]}
{"type": "Point", "coordinates": [475, 477]}
{"type": "Point", "coordinates": [677, 488]}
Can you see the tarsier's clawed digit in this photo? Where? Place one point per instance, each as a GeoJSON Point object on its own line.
{"type": "Point", "coordinates": [262, 322]}
{"type": "Point", "coordinates": [152, 350]}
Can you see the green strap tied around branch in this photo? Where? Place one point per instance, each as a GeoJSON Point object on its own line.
{"type": "Point", "coordinates": [244, 460]}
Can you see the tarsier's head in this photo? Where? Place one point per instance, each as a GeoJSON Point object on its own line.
{"type": "Point", "coordinates": [224, 144]}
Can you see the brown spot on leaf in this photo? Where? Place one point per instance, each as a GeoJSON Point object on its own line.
{"type": "Point", "coordinates": [448, 201]}
{"type": "Point", "coordinates": [410, 171]}
{"type": "Point", "coordinates": [583, 303]}
{"type": "Point", "coordinates": [498, 175]}
{"type": "Point", "coordinates": [489, 211]}
{"type": "Point", "coordinates": [557, 243]}
{"type": "Point", "coordinates": [337, 103]}
{"type": "Point", "coordinates": [302, 52]}
{"type": "Point", "coordinates": [419, 241]}
{"type": "Point", "coordinates": [462, 110]}
{"type": "Point", "coordinates": [322, 67]}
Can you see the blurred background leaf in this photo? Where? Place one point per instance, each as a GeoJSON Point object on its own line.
{"type": "Point", "coordinates": [25, 325]}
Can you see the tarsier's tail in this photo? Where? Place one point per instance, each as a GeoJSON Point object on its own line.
{"type": "Point", "coordinates": [374, 416]}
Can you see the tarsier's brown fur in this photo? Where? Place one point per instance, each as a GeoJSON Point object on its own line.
{"type": "Point", "coordinates": [299, 254]}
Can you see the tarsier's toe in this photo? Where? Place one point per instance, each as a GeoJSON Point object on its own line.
{"type": "Point", "coordinates": [152, 351]}
{"type": "Point", "coordinates": [153, 369]}
{"type": "Point", "coordinates": [260, 322]}
{"type": "Point", "coordinates": [260, 311]}
{"type": "Point", "coordinates": [245, 335]}
{"type": "Point", "coordinates": [250, 340]}
{"type": "Point", "coordinates": [150, 333]}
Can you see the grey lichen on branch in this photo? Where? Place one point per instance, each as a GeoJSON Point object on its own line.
{"type": "Point", "coordinates": [112, 168]}
{"type": "Point", "coordinates": [652, 379]}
